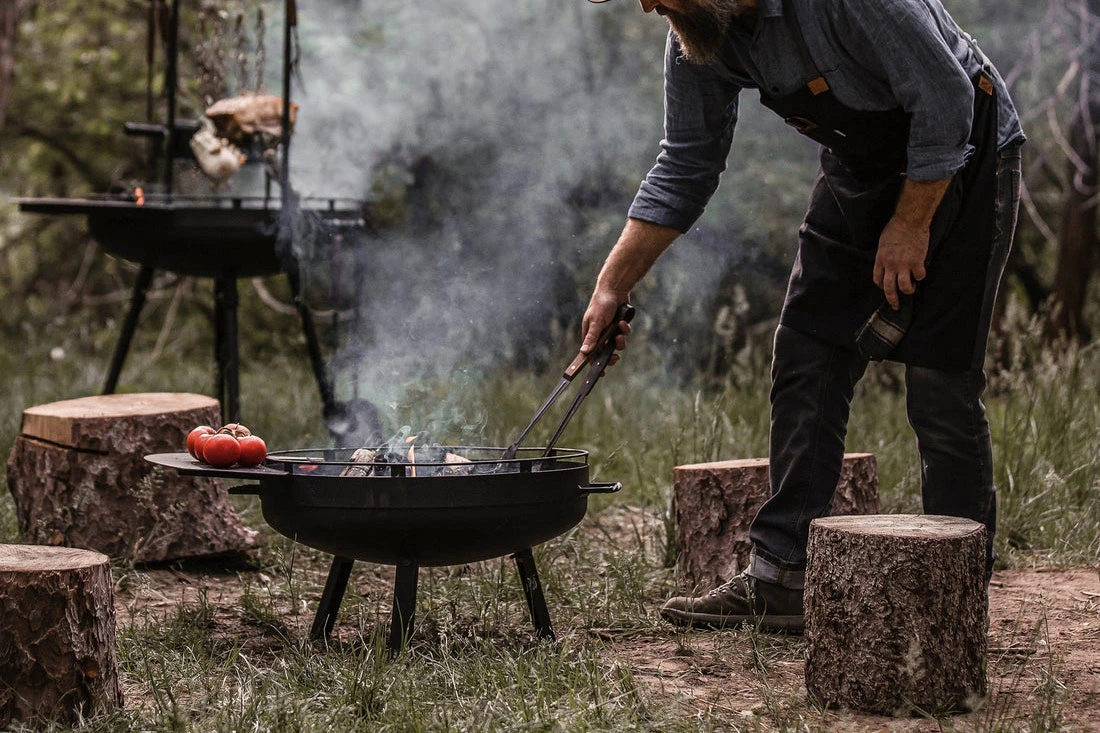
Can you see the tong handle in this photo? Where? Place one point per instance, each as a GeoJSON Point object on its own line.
{"type": "Point", "coordinates": [625, 313]}
{"type": "Point", "coordinates": [601, 355]}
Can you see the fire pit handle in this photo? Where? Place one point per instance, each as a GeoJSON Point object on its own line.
{"type": "Point", "coordinates": [598, 487]}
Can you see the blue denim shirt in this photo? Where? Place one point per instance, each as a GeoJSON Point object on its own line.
{"type": "Point", "coordinates": [875, 54]}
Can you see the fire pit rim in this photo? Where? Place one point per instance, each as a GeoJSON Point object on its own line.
{"type": "Point", "coordinates": [285, 463]}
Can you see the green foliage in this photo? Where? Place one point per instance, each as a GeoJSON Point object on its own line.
{"type": "Point", "coordinates": [80, 76]}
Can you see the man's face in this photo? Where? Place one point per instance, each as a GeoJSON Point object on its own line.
{"type": "Point", "coordinates": [699, 25]}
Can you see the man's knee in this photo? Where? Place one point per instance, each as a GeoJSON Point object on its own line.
{"type": "Point", "coordinates": [933, 393]}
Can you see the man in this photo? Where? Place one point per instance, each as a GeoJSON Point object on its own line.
{"type": "Point", "coordinates": [900, 253]}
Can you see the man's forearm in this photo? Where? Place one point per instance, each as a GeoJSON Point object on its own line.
{"type": "Point", "coordinates": [639, 246]}
{"type": "Point", "coordinates": [918, 202]}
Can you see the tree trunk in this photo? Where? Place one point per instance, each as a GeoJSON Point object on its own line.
{"type": "Point", "coordinates": [79, 478]}
{"type": "Point", "coordinates": [57, 635]}
{"type": "Point", "coordinates": [1079, 242]}
{"type": "Point", "coordinates": [896, 613]}
{"type": "Point", "coordinates": [10, 12]}
{"type": "Point", "coordinates": [715, 504]}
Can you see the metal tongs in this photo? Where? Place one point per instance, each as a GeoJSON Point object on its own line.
{"type": "Point", "coordinates": [597, 359]}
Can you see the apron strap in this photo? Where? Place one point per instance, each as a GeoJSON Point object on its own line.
{"type": "Point", "coordinates": [985, 83]}
{"type": "Point", "coordinates": [816, 83]}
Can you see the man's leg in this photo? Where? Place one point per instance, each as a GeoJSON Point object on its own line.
{"type": "Point", "coordinates": [946, 410]}
{"type": "Point", "coordinates": [812, 385]}
{"type": "Point", "coordinates": [956, 454]}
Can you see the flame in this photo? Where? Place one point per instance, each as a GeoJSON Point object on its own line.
{"type": "Point", "coordinates": [139, 196]}
{"type": "Point", "coordinates": [412, 460]}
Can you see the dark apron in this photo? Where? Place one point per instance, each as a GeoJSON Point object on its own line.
{"type": "Point", "coordinates": [831, 293]}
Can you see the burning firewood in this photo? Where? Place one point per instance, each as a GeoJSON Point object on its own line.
{"type": "Point", "coordinates": [362, 455]}
{"type": "Point", "coordinates": [457, 465]}
{"type": "Point", "coordinates": [419, 459]}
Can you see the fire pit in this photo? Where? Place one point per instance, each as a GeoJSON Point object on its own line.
{"type": "Point", "coordinates": [427, 513]}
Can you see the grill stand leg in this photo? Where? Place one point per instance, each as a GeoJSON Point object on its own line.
{"type": "Point", "coordinates": [404, 605]}
{"type": "Point", "coordinates": [331, 598]}
{"type": "Point", "coordinates": [532, 589]}
{"type": "Point", "coordinates": [129, 326]}
{"type": "Point", "coordinates": [313, 342]}
{"type": "Point", "coordinates": [226, 346]}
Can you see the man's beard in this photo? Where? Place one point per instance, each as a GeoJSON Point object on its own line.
{"type": "Point", "coordinates": [702, 29]}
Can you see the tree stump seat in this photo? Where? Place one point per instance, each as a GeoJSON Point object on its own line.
{"type": "Point", "coordinates": [896, 614]}
{"type": "Point", "coordinates": [78, 476]}
{"type": "Point", "coordinates": [714, 504]}
{"type": "Point", "coordinates": [57, 635]}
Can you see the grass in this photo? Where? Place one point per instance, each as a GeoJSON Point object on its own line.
{"type": "Point", "coordinates": [244, 663]}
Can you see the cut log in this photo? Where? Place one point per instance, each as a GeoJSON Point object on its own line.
{"type": "Point", "coordinates": [57, 635]}
{"type": "Point", "coordinates": [896, 614]}
{"type": "Point", "coordinates": [715, 504]}
{"type": "Point", "coordinates": [78, 476]}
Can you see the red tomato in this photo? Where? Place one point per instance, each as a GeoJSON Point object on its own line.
{"type": "Point", "coordinates": [193, 439]}
{"type": "Point", "coordinates": [253, 451]}
{"type": "Point", "coordinates": [236, 430]}
{"type": "Point", "coordinates": [200, 443]}
{"type": "Point", "coordinates": [221, 450]}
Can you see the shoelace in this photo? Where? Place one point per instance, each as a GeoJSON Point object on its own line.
{"type": "Point", "coordinates": [728, 585]}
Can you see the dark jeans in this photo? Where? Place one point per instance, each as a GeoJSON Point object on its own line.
{"type": "Point", "coordinates": [812, 386]}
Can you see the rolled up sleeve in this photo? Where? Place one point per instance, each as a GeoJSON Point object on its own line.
{"type": "Point", "coordinates": [926, 78]}
{"type": "Point", "coordinates": [700, 115]}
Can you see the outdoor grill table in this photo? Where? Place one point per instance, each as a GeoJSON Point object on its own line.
{"type": "Point", "coordinates": [414, 515]}
{"type": "Point", "coordinates": [223, 238]}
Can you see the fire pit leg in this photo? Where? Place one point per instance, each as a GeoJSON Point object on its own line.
{"type": "Point", "coordinates": [137, 302]}
{"type": "Point", "coordinates": [331, 597]}
{"type": "Point", "coordinates": [404, 604]}
{"type": "Point", "coordinates": [532, 589]}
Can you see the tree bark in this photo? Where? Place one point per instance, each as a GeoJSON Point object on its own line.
{"type": "Point", "coordinates": [10, 12]}
{"type": "Point", "coordinates": [896, 613]}
{"type": "Point", "coordinates": [715, 504]}
{"type": "Point", "coordinates": [79, 478]}
{"type": "Point", "coordinates": [1079, 241]}
{"type": "Point", "coordinates": [57, 635]}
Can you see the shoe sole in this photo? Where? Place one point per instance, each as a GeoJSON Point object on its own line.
{"type": "Point", "coordinates": [790, 624]}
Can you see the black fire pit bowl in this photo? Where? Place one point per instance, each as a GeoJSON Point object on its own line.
{"type": "Point", "coordinates": [433, 518]}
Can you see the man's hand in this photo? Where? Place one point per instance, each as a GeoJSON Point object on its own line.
{"type": "Point", "coordinates": [601, 309]}
{"type": "Point", "coordinates": [639, 246]}
{"type": "Point", "coordinates": [903, 245]}
{"type": "Point", "coordinates": [899, 265]}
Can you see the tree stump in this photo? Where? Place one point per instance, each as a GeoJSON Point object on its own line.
{"type": "Point", "coordinates": [79, 478]}
{"type": "Point", "coordinates": [57, 635]}
{"type": "Point", "coordinates": [896, 613]}
{"type": "Point", "coordinates": [715, 504]}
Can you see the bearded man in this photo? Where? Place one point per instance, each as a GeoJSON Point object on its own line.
{"type": "Point", "coordinates": [899, 257]}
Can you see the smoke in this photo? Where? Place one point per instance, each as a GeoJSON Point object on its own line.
{"type": "Point", "coordinates": [501, 144]}
{"type": "Point", "coordinates": [489, 135]}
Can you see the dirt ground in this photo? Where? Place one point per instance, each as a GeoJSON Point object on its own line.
{"type": "Point", "coordinates": [1044, 662]}
{"type": "Point", "coordinates": [1044, 651]}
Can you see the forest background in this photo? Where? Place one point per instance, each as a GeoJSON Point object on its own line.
{"type": "Point", "coordinates": [498, 165]}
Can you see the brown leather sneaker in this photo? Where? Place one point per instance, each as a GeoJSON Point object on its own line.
{"type": "Point", "coordinates": [744, 599]}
